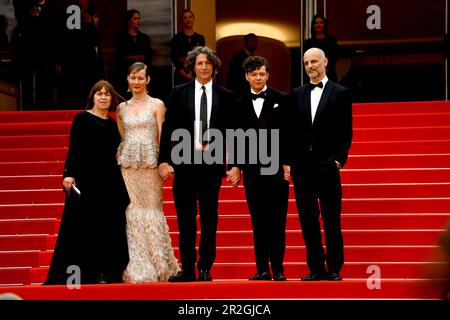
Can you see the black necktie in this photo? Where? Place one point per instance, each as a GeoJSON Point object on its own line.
{"type": "Point", "coordinates": [262, 94]}
{"type": "Point", "coordinates": [313, 85]}
{"type": "Point", "coordinates": [203, 116]}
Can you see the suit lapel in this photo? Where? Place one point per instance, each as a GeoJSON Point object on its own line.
{"type": "Point", "coordinates": [250, 110]}
{"type": "Point", "coordinates": [214, 106]}
{"type": "Point", "coordinates": [191, 100]}
{"type": "Point", "coordinates": [266, 111]}
{"type": "Point", "coordinates": [322, 102]}
{"type": "Point", "coordinates": [307, 105]}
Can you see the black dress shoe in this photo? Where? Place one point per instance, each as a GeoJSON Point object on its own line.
{"type": "Point", "coordinates": [204, 275]}
{"type": "Point", "coordinates": [261, 276]}
{"type": "Point", "coordinates": [334, 276]}
{"type": "Point", "coordinates": [279, 277]}
{"type": "Point", "coordinates": [315, 276]}
{"type": "Point", "coordinates": [183, 276]}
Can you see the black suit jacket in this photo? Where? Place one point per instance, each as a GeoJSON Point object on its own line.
{"type": "Point", "coordinates": [329, 137]}
{"type": "Point", "coordinates": [180, 114]}
{"type": "Point", "coordinates": [273, 116]}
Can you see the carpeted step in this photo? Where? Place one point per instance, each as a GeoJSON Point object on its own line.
{"type": "Point", "coordinates": [393, 190]}
{"type": "Point", "coordinates": [34, 141]}
{"type": "Point", "coordinates": [27, 242]}
{"type": "Point", "coordinates": [246, 254]}
{"type": "Point", "coordinates": [401, 120]}
{"type": "Point", "coordinates": [27, 182]}
{"type": "Point", "coordinates": [33, 154]}
{"type": "Point", "coordinates": [349, 176]}
{"type": "Point", "coordinates": [37, 116]}
{"type": "Point", "coordinates": [401, 107]}
{"type": "Point", "coordinates": [32, 168]}
{"type": "Point", "coordinates": [348, 221]}
{"type": "Point", "coordinates": [384, 161]}
{"type": "Point", "coordinates": [245, 238]}
{"type": "Point", "coordinates": [31, 211]}
{"type": "Point", "coordinates": [243, 222]}
{"type": "Point", "coordinates": [28, 258]}
{"type": "Point", "coordinates": [35, 128]}
{"type": "Point", "coordinates": [401, 147]}
{"type": "Point", "coordinates": [401, 134]}
{"type": "Point", "coordinates": [29, 226]}
{"type": "Point", "coordinates": [366, 205]}
{"type": "Point", "coordinates": [17, 275]}
{"type": "Point", "coordinates": [367, 237]}
{"type": "Point", "coordinates": [399, 175]}
{"type": "Point", "coordinates": [31, 196]}
{"type": "Point", "coordinates": [293, 271]}
{"type": "Point", "coordinates": [241, 290]}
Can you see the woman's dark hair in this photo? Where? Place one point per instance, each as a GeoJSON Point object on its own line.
{"type": "Point", "coordinates": [325, 24]}
{"type": "Point", "coordinates": [116, 98]}
{"type": "Point", "coordinates": [131, 13]}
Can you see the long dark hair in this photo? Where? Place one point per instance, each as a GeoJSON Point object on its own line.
{"type": "Point", "coordinates": [325, 24]}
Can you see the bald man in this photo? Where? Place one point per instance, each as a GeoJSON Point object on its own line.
{"type": "Point", "coordinates": [321, 134]}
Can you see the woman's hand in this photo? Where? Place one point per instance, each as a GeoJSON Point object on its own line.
{"type": "Point", "coordinates": [68, 182]}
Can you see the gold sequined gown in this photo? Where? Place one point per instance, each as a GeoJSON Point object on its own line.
{"type": "Point", "coordinates": [149, 244]}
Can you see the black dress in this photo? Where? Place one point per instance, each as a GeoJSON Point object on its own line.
{"type": "Point", "coordinates": [131, 49]}
{"type": "Point", "coordinates": [92, 235]}
{"type": "Point", "coordinates": [180, 45]}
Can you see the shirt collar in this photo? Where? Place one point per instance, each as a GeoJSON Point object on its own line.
{"type": "Point", "coordinates": [324, 81]}
{"type": "Point", "coordinates": [262, 90]}
{"type": "Point", "coordinates": [198, 85]}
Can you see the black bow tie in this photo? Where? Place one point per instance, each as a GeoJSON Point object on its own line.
{"type": "Point", "coordinates": [313, 85]}
{"type": "Point", "coordinates": [262, 94]}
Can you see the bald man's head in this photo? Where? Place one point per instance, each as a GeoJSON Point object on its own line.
{"type": "Point", "coordinates": [315, 64]}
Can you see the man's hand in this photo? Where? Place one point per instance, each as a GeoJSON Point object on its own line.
{"type": "Point", "coordinates": [165, 171]}
{"type": "Point", "coordinates": [233, 176]}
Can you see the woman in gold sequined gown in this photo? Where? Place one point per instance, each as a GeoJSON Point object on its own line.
{"type": "Point", "coordinates": [149, 244]}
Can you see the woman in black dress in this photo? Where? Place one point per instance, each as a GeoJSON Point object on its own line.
{"type": "Point", "coordinates": [132, 46]}
{"type": "Point", "coordinates": [183, 42]}
{"type": "Point", "coordinates": [322, 40]}
{"type": "Point", "coordinates": [92, 244]}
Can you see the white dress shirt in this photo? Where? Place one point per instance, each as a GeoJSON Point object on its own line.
{"type": "Point", "coordinates": [258, 103]}
{"type": "Point", "coordinates": [316, 94]}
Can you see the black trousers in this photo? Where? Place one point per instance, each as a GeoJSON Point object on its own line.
{"type": "Point", "coordinates": [198, 185]}
{"type": "Point", "coordinates": [318, 191]}
{"type": "Point", "coordinates": [267, 199]}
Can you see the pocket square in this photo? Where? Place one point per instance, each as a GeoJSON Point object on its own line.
{"type": "Point", "coordinates": [275, 105]}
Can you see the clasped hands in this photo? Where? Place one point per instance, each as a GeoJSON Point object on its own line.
{"type": "Point", "coordinates": [166, 171]}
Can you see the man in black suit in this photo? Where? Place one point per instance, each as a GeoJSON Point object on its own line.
{"type": "Point", "coordinates": [194, 108]}
{"type": "Point", "coordinates": [236, 80]}
{"type": "Point", "coordinates": [320, 140]}
{"type": "Point", "coordinates": [260, 109]}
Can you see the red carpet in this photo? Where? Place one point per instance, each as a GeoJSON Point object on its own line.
{"type": "Point", "coordinates": [396, 190]}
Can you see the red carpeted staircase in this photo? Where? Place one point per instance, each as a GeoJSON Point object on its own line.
{"type": "Point", "coordinates": [396, 189]}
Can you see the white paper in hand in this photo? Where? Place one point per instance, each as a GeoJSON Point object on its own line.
{"type": "Point", "coordinates": [76, 189]}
